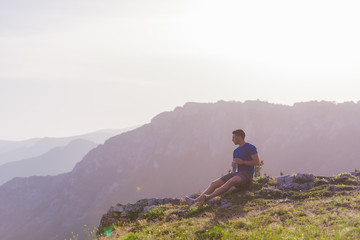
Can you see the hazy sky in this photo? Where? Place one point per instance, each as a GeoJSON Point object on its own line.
{"type": "Point", "coordinates": [75, 66]}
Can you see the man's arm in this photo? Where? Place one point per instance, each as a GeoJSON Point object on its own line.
{"type": "Point", "coordinates": [254, 160]}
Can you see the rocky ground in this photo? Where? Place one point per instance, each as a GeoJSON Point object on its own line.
{"type": "Point", "coordinates": [265, 191]}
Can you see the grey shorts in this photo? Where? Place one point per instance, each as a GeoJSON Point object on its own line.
{"type": "Point", "coordinates": [246, 178]}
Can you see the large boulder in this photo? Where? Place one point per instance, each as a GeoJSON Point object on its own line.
{"type": "Point", "coordinates": [299, 181]}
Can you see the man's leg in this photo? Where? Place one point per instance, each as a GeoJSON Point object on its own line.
{"type": "Point", "coordinates": [210, 189]}
{"type": "Point", "coordinates": [234, 181]}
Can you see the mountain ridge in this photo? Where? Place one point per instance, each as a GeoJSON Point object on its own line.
{"type": "Point", "coordinates": [180, 152]}
{"type": "Point", "coordinates": [19, 150]}
{"type": "Point", "coordinates": [56, 161]}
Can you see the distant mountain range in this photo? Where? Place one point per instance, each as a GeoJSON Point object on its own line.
{"type": "Point", "coordinates": [60, 156]}
{"type": "Point", "coordinates": [56, 161]}
{"type": "Point", "coordinates": [179, 153]}
{"type": "Point", "coordinates": [19, 150]}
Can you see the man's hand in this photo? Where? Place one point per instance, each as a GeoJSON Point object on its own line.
{"type": "Point", "coordinates": [233, 164]}
{"type": "Point", "coordinates": [237, 161]}
{"type": "Point", "coordinates": [254, 161]}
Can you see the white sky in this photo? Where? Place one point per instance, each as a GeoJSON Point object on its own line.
{"type": "Point", "coordinates": [75, 66]}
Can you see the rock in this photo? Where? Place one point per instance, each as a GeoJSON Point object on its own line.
{"type": "Point", "coordinates": [175, 201]}
{"type": "Point", "coordinates": [245, 194]}
{"type": "Point", "coordinates": [302, 187]}
{"type": "Point", "coordinates": [285, 180]}
{"type": "Point", "coordinates": [133, 207]}
{"type": "Point", "coordinates": [117, 208]}
{"type": "Point", "coordinates": [131, 212]}
{"type": "Point", "coordinates": [194, 195]}
{"type": "Point", "coordinates": [226, 205]}
{"type": "Point", "coordinates": [344, 176]}
{"type": "Point", "coordinates": [286, 186]}
{"type": "Point", "coordinates": [322, 181]}
{"type": "Point", "coordinates": [219, 203]}
{"type": "Point", "coordinates": [300, 181]}
{"type": "Point", "coordinates": [146, 202]}
{"type": "Point", "coordinates": [166, 200]}
{"type": "Point", "coordinates": [304, 177]}
{"type": "Point", "coordinates": [124, 214]}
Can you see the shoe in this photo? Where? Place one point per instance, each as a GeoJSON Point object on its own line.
{"type": "Point", "coordinates": [206, 197]}
{"type": "Point", "coordinates": [190, 200]}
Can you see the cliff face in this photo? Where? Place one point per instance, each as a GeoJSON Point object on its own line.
{"type": "Point", "coordinates": [180, 152]}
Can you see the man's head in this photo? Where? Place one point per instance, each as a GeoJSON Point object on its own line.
{"type": "Point", "coordinates": [238, 136]}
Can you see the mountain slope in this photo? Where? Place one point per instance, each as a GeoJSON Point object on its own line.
{"type": "Point", "coordinates": [8, 146]}
{"type": "Point", "coordinates": [56, 161]}
{"type": "Point", "coordinates": [19, 150]}
{"type": "Point", "coordinates": [180, 152]}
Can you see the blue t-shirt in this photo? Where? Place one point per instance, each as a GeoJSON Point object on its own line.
{"type": "Point", "coordinates": [245, 152]}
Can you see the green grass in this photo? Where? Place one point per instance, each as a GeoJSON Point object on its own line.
{"type": "Point", "coordinates": [313, 216]}
{"type": "Point", "coordinates": [262, 213]}
{"type": "Point", "coordinates": [196, 210]}
{"type": "Point", "coordinates": [155, 214]}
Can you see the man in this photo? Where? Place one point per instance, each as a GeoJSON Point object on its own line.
{"type": "Point", "coordinates": [245, 158]}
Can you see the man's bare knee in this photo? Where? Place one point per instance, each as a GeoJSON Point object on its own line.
{"type": "Point", "coordinates": [217, 183]}
{"type": "Point", "coordinates": [235, 181]}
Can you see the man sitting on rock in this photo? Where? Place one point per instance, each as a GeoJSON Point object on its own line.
{"type": "Point", "coordinates": [245, 158]}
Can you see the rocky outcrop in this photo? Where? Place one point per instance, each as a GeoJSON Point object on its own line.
{"type": "Point", "coordinates": [131, 212]}
{"type": "Point", "coordinates": [284, 188]}
{"type": "Point", "coordinates": [296, 182]}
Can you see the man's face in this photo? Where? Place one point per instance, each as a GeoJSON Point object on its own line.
{"type": "Point", "coordinates": [235, 139]}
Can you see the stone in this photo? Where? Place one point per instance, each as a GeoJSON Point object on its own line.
{"type": "Point", "coordinates": [322, 181]}
{"type": "Point", "coordinates": [175, 201]}
{"type": "Point", "coordinates": [133, 207]}
{"type": "Point", "coordinates": [146, 202]}
{"type": "Point", "coordinates": [300, 181]}
{"type": "Point", "coordinates": [116, 208]}
{"type": "Point", "coordinates": [196, 195]}
{"type": "Point", "coordinates": [285, 180]}
{"type": "Point", "coordinates": [304, 177]}
{"type": "Point", "coordinates": [225, 205]}
{"type": "Point", "coordinates": [303, 186]}
{"type": "Point", "coordinates": [159, 201]}
{"type": "Point", "coordinates": [285, 186]}
{"type": "Point", "coordinates": [344, 175]}
{"type": "Point", "coordinates": [167, 200]}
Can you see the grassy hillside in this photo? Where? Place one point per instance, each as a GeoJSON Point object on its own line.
{"type": "Point", "coordinates": [328, 209]}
